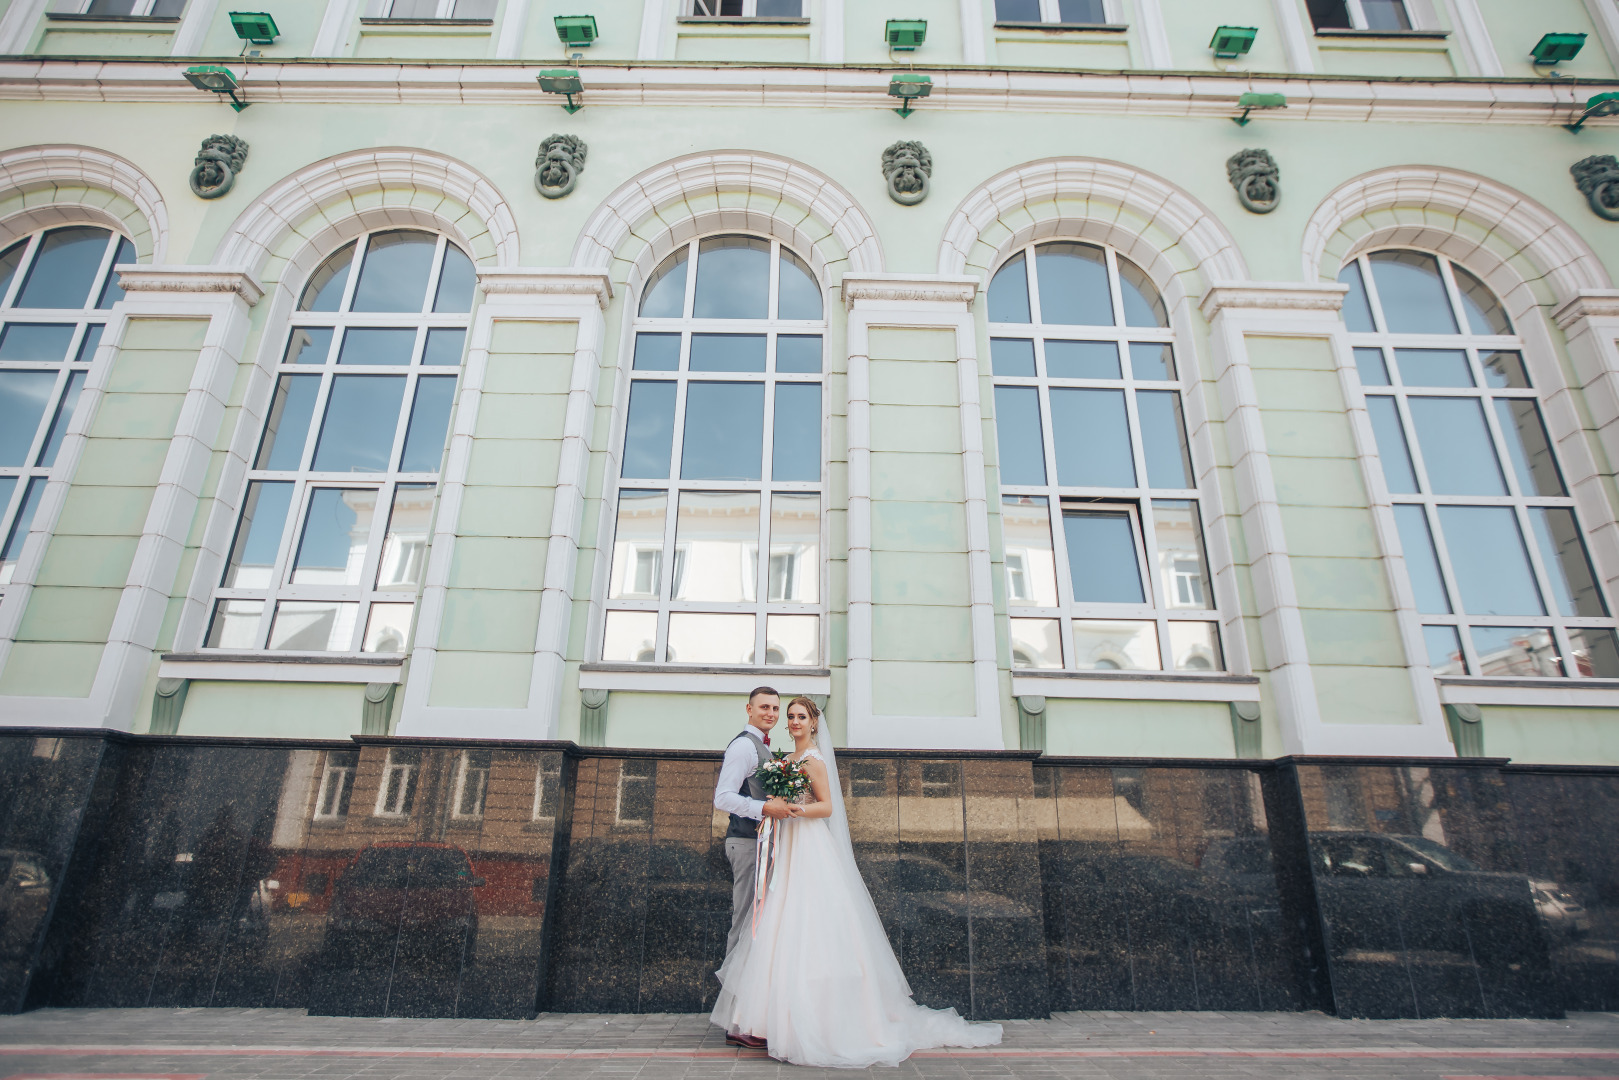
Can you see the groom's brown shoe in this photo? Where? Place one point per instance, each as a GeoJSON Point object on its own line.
{"type": "Point", "coordinates": [750, 1042]}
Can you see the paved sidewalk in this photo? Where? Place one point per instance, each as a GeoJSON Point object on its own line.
{"type": "Point", "coordinates": [282, 1044]}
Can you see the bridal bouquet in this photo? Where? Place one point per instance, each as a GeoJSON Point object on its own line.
{"type": "Point", "coordinates": [782, 778]}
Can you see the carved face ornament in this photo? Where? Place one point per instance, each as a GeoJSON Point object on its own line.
{"type": "Point", "coordinates": [215, 167]}
{"type": "Point", "coordinates": [907, 166]}
{"type": "Point", "coordinates": [557, 169]}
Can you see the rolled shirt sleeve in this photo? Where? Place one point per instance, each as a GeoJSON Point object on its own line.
{"type": "Point", "coordinates": [740, 760]}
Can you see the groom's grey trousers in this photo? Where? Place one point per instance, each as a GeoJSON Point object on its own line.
{"type": "Point", "coordinates": [742, 855]}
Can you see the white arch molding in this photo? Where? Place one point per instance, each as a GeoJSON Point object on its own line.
{"type": "Point", "coordinates": [33, 168]}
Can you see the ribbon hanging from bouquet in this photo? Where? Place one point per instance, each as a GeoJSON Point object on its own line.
{"type": "Point", "coordinates": [764, 868]}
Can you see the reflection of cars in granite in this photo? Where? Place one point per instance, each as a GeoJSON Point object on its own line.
{"type": "Point", "coordinates": [417, 889]}
{"type": "Point", "coordinates": [931, 887]}
{"type": "Point", "coordinates": [25, 895]}
{"type": "Point", "coordinates": [1560, 913]}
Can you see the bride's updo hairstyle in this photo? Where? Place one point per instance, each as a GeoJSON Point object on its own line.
{"type": "Point", "coordinates": [809, 707]}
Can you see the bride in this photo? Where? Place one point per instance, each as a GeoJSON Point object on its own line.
{"type": "Point", "coordinates": [816, 977]}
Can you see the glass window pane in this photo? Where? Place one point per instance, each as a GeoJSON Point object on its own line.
{"type": "Point", "coordinates": [631, 637]}
{"type": "Point", "coordinates": [1385, 14]}
{"type": "Point", "coordinates": [1488, 561]}
{"type": "Point", "coordinates": [386, 628]}
{"type": "Point", "coordinates": [1017, 10]}
{"type": "Point", "coordinates": [800, 294]}
{"type": "Point", "coordinates": [258, 535]}
{"type": "Point", "coordinates": [395, 272]}
{"type": "Point", "coordinates": [1369, 365]}
{"type": "Point", "coordinates": [1036, 644]}
{"type": "Point", "coordinates": [1485, 315]}
{"type": "Point", "coordinates": [1433, 367]}
{"type": "Point", "coordinates": [1017, 435]}
{"type": "Point", "coordinates": [1031, 563]}
{"type": "Point", "coordinates": [1183, 569]}
{"type": "Point", "coordinates": [404, 551]}
{"type": "Point", "coordinates": [733, 279]}
{"type": "Point", "coordinates": [64, 271]}
{"type": "Point", "coordinates": [1516, 650]}
{"type": "Point", "coordinates": [113, 291]}
{"type": "Point", "coordinates": [24, 396]}
{"type": "Point", "coordinates": [705, 638]}
{"type": "Point", "coordinates": [458, 277]}
{"type": "Point", "coordinates": [1080, 11]}
{"type": "Point", "coordinates": [1009, 288]}
{"type": "Point", "coordinates": [1102, 557]}
{"type": "Point", "coordinates": [444, 346]}
{"type": "Point", "coordinates": [368, 345]}
{"type": "Point", "coordinates": [63, 417]}
{"type": "Point", "coordinates": [1092, 439]}
{"type": "Point", "coordinates": [665, 296]}
{"type": "Point", "coordinates": [1082, 360]}
{"type": "Point", "coordinates": [1012, 356]}
{"type": "Point", "coordinates": [727, 352]}
{"type": "Point", "coordinates": [9, 261]}
{"type": "Point", "coordinates": [36, 343]}
{"type": "Point", "coordinates": [638, 546]}
{"type": "Point", "coordinates": [1105, 645]}
{"type": "Point", "coordinates": [429, 424]}
{"type": "Point", "coordinates": [1456, 447]}
{"type": "Point", "coordinates": [1150, 360]}
{"type": "Point", "coordinates": [717, 547]}
{"type": "Point", "coordinates": [795, 548]}
{"type": "Point", "coordinates": [313, 626]}
{"type": "Point", "coordinates": [793, 640]}
{"type": "Point", "coordinates": [357, 434]}
{"type": "Point", "coordinates": [1163, 439]}
{"type": "Point", "coordinates": [649, 430]}
{"type": "Point", "coordinates": [20, 526]}
{"type": "Point", "coordinates": [1398, 473]}
{"type": "Point", "coordinates": [1568, 567]}
{"type": "Point", "coordinates": [1444, 650]}
{"type": "Point", "coordinates": [1357, 308]}
{"type": "Point", "coordinates": [1421, 563]}
{"type": "Point", "coordinates": [1142, 304]}
{"type": "Point", "coordinates": [724, 436]}
{"type": "Point", "coordinates": [796, 454]}
{"type": "Point", "coordinates": [288, 426]}
{"type": "Point", "coordinates": [1504, 370]}
{"type": "Point", "coordinates": [336, 537]}
{"type": "Point", "coordinates": [1195, 646]}
{"type": "Point", "coordinates": [309, 345]}
{"type": "Point", "coordinates": [8, 484]}
{"type": "Point", "coordinates": [790, 9]}
{"type": "Point", "coordinates": [1073, 284]}
{"type": "Point", "coordinates": [235, 625]}
{"type": "Point", "coordinates": [1412, 293]}
{"type": "Point", "coordinates": [657, 352]}
{"type": "Point", "coordinates": [1528, 447]}
{"type": "Point", "coordinates": [91, 342]}
{"type": "Point", "coordinates": [1595, 652]}
{"type": "Point", "coordinates": [798, 354]}
{"type": "Point", "coordinates": [325, 289]}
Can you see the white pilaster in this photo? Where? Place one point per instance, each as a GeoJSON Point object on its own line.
{"type": "Point", "coordinates": [334, 26]}
{"type": "Point", "coordinates": [655, 15]}
{"type": "Point", "coordinates": [1154, 34]}
{"type": "Point", "coordinates": [193, 28]}
{"type": "Point", "coordinates": [1295, 35]}
{"type": "Point", "coordinates": [513, 24]}
{"type": "Point", "coordinates": [832, 31]}
{"type": "Point", "coordinates": [972, 31]}
{"type": "Point", "coordinates": [1474, 35]}
{"type": "Point", "coordinates": [1605, 14]}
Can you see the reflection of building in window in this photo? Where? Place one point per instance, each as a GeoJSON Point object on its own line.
{"type": "Point", "coordinates": [336, 785]}
{"type": "Point", "coordinates": [938, 779]}
{"type": "Point", "coordinates": [747, 9]}
{"type": "Point", "coordinates": [441, 9]}
{"type": "Point", "coordinates": [1071, 12]}
{"type": "Point", "coordinates": [1359, 14]}
{"type": "Point", "coordinates": [471, 783]}
{"type": "Point", "coordinates": [637, 785]}
{"type": "Point", "coordinates": [547, 789]}
{"type": "Point", "coordinates": [397, 795]}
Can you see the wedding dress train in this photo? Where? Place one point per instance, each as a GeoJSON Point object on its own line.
{"type": "Point", "coordinates": [819, 979]}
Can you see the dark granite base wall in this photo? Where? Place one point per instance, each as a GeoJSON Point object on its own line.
{"type": "Point", "coordinates": [439, 878]}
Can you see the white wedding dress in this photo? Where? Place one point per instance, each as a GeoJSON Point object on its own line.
{"type": "Point", "coordinates": [819, 980]}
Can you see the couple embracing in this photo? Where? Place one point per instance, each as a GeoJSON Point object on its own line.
{"type": "Point", "coordinates": [808, 973]}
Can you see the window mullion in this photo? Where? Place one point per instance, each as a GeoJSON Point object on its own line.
{"type": "Point", "coordinates": [286, 552]}
{"type": "Point", "coordinates": [691, 280]}
{"type": "Point", "coordinates": [24, 266]}
{"type": "Point", "coordinates": [361, 246]}
{"type": "Point", "coordinates": [1373, 299]}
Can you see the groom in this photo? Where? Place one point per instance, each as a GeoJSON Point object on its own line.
{"type": "Point", "coordinates": [740, 795]}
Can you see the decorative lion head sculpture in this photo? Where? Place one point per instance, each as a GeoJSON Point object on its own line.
{"type": "Point", "coordinates": [216, 165]}
{"type": "Point", "coordinates": [907, 165]}
{"type": "Point", "coordinates": [1257, 178]}
{"type": "Point", "coordinates": [1598, 180]}
{"type": "Point", "coordinates": [561, 160]}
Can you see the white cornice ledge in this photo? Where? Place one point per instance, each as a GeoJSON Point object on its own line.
{"type": "Point", "coordinates": [537, 281]}
{"type": "Point", "coordinates": [1588, 304]}
{"type": "Point", "coordinates": [189, 279]}
{"type": "Point", "coordinates": [909, 288]}
{"type": "Point", "coordinates": [1272, 296]}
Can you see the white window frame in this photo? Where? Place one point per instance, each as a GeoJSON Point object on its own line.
{"type": "Point", "coordinates": [625, 779]}
{"type": "Point", "coordinates": [444, 9]}
{"type": "Point", "coordinates": [750, 10]}
{"type": "Point", "coordinates": [342, 775]}
{"type": "Point", "coordinates": [466, 772]}
{"type": "Point", "coordinates": [1518, 501]}
{"type": "Point", "coordinates": [409, 773]}
{"type": "Point", "coordinates": [761, 607]}
{"type": "Point", "coordinates": [1155, 608]}
{"type": "Point", "coordinates": [1051, 12]}
{"type": "Point", "coordinates": [305, 478]}
{"type": "Point", "coordinates": [1357, 17]}
{"type": "Point", "coordinates": [142, 9]}
{"type": "Point", "coordinates": [544, 777]}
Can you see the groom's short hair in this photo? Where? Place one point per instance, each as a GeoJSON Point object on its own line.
{"type": "Point", "coordinates": [757, 690]}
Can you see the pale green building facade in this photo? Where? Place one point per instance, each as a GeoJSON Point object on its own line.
{"type": "Point", "coordinates": [1079, 452]}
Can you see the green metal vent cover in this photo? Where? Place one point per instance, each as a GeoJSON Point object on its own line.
{"type": "Point", "coordinates": [576, 29]}
{"type": "Point", "coordinates": [254, 27]}
{"type": "Point", "coordinates": [1230, 42]}
{"type": "Point", "coordinates": [1555, 48]}
{"type": "Point", "coordinates": [905, 35]}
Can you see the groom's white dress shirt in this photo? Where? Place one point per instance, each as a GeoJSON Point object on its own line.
{"type": "Point", "coordinates": [740, 761]}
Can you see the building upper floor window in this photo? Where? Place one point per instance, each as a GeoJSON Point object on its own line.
{"type": "Point", "coordinates": [332, 540]}
{"type": "Point", "coordinates": [441, 9]}
{"type": "Point", "coordinates": [1360, 14]}
{"type": "Point", "coordinates": [748, 9]}
{"type": "Point", "coordinates": [722, 459]}
{"type": "Point", "coordinates": [157, 9]}
{"type": "Point", "coordinates": [1105, 561]}
{"type": "Point", "coordinates": [1051, 11]}
{"type": "Point", "coordinates": [1493, 545]}
{"type": "Point", "coordinates": [55, 289]}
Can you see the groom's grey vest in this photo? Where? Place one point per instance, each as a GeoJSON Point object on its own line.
{"type": "Point", "coordinates": [747, 828]}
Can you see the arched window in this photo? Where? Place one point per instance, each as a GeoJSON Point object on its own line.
{"type": "Point", "coordinates": [1493, 545]}
{"type": "Point", "coordinates": [721, 460]}
{"type": "Point", "coordinates": [55, 289]}
{"type": "Point", "coordinates": [332, 541]}
{"type": "Point", "coordinates": [1105, 561]}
